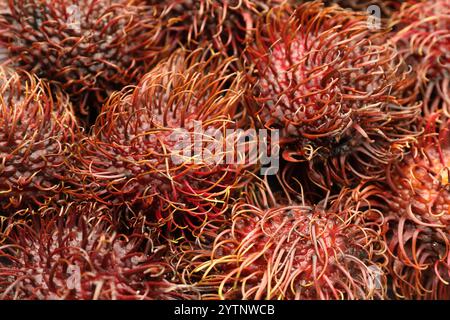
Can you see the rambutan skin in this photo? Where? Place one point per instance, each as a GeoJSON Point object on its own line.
{"type": "Point", "coordinates": [78, 252]}
{"type": "Point", "coordinates": [165, 196]}
{"type": "Point", "coordinates": [88, 47]}
{"type": "Point", "coordinates": [422, 35]}
{"type": "Point", "coordinates": [131, 156]}
{"type": "Point", "coordinates": [335, 90]}
{"type": "Point", "coordinates": [37, 129]}
{"type": "Point", "coordinates": [224, 23]}
{"type": "Point", "coordinates": [291, 251]}
{"type": "Point", "coordinates": [417, 218]}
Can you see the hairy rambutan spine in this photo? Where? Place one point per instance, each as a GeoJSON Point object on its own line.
{"type": "Point", "coordinates": [417, 217]}
{"type": "Point", "coordinates": [132, 157]}
{"type": "Point", "coordinates": [224, 23]}
{"type": "Point", "coordinates": [422, 36]}
{"type": "Point", "coordinates": [37, 128]}
{"type": "Point", "coordinates": [88, 47]}
{"type": "Point", "coordinates": [334, 89]}
{"type": "Point", "coordinates": [78, 252]}
{"type": "Point", "coordinates": [291, 251]}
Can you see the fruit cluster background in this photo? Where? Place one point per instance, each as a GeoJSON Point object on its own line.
{"type": "Point", "coordinates": [96, 201]}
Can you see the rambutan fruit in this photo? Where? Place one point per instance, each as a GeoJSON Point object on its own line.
{"type": "Point", "coordinates": [76, 252]}
{"type": "Point", "coordinates": [291, 251]}
{"type": "Point", "coordinates": [334, 89]}
{"type": "Point", "coordinates": [136, 155]}
{"type": "Point", "coordinates": [226, 24]}
{"type": "Point", "coordinates": [417, 218]}
{"type": "Point", "coordinates": [423, 38]}
{"type": "Point", "coordinates": [37, 128]}
{"type": "Point", "coordinates": [88, 47]}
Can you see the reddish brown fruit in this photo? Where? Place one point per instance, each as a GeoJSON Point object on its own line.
{"type": "Point", "coordinates": [77, 252]}
{"type": "Point", "coordinates": [227, 24]}
{"type": "Point", "coordinates": [334, 88]}
{"type": "Point", "coordinates": [417, 222]}
{"type": "Point", "coordinates": [423, 39]}
{"type": "Point", "coordinates": [37, 128]}
{"type": "Point", "coordinates": [291, 251]}
{"type": "Point", "coordinates": [88, 47]}
{"type": "Point", "coordinates": [133, 156]}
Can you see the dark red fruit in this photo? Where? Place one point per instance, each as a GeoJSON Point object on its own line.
{"type": "Point", "coordinates": [37, 128]}
{"type": "Point", "coordinates": [334, 89]}
{"type": "Point", "coordinates": [291, 251]}
{"type": "Point", "coordinates": [88, 47]}
{"type": "Point", "coordinates": [77, 252]}
{"type": "Point", "coordinates": [423, 38]}
{"type": "Point", "coordinates": [133, 156]}
{"type": "Point", "coordinates": [417, 222]}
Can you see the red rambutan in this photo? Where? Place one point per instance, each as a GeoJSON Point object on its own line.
{"type": "Point", "coordinates": [386, 7]}
{"type": "Point", "coordinates": [333, 88]}
{"type": "Point", "coordinates": [423, 39]}
{"type": "Point", "coordinates": [290, 251]}
{"type": "Point", "coordinates": [417, 222]}
{"type": "Point", "coordinates": [88, 47]}
{"type": "Point", "coordinates": [36, 129]}
{"type": "Point", "coordinates": [225, 23]}
{"type": "Point", "coordinates": [134, 155]}
{"type": "Point", "coordinates": [76, 252]}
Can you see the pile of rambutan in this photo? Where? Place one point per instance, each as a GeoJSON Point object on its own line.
{"type": "Point", "coordinates": [247, 149]}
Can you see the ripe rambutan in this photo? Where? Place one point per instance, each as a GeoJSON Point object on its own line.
{"type": "Point", "coordinates": [88, 47]}
{"type": "Point", "coordinates": [333, 88]}
{"type": "Point", "coordinates": [423, 38]}
{"type": "Point", "coordinates": [417, 218]}
{"type": "Point", "coordinates": [76, 252]}
{"type": "Point", "coordinates": [36, 129]}
{"type": "Point", "coordinates": [291, 251]}
{"type": "Point", "coordinates": [136, 154]}
{"type": "Point", "coordinates": [226, 24]}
